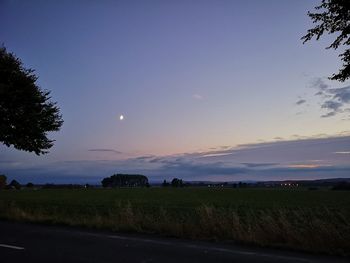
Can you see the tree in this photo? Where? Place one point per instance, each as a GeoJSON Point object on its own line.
{"type": "Point", "coordinates": [165, 183]}
{"type": "Point", "coordinates": [125, 180]}
{"type": "Point", "coordinates": [26, 112]}
{"type": "Point", "coordinates": [29, 185]}
{"type": "Point", "coordinates": [15, 184]}
{"type": "Point", "coordinates": [2, 181]}
{"type": "Point", "coordinates": [334, 17]}
{"type": "Point", "coordinates": [177, 182]}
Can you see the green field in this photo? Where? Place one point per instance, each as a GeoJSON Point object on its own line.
{"type": "Point", "coordinates": [315, 221]}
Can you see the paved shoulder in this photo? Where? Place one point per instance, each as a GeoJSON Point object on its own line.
{"type": "Point", "coordinates": [36, 243]}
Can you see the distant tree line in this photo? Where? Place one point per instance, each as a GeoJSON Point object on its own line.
{"type": "Point", "coordinates": [342, 186]}
{"type": "Point", "coordinates": [125, 180]}
{"type": "Point", "coordinates": [174, 183]}
{"type": "Point", "coordinates": [13, 184]}
{"type": "Point", "coordinates": [63, 186]}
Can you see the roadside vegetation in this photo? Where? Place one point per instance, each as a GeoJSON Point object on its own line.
{"type": "Point", "coordinates": [313, 221]}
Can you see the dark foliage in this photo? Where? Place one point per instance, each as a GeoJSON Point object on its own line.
{"type": "Point", "coordinates": [62, 186]}
{"type": "Point", "coordinates": [342, 186]}
{"type": "Point", "coordinates": [177, 182]}
{"type": "Point", "coordinates": [26, 112]}
{"type": "Point", "coordinates": [14, 185]}
{"type": "Point", "coordinates": [29, 185]}
{"type": "Point", "coordinates": [242, 185]}
{"type": "Point", "coordinates": [2, 181]}
{"type": "Point", "coordinates": [333, 17]}
{"type": "Point", "coordinates": [165, 184]}
{"type": "Point", "coordinates": [125, 180]}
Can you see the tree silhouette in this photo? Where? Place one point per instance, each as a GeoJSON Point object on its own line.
{"type": "Point", "coordinates": [29, 185]}
{"type": "Point", "coordinates": [26, 112]}
{"type": "Point", "coordinates": [176, 182]}
{"type": "Point", "coordinates": [333, 17]}
{"type": "Point", "coordinates": [15, 184]}
{"type": "Point", "coordinates": [2, 181]}
{"type": "Point", "coordinates": [125, 180]}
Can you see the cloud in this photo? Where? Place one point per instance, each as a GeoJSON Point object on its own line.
{"type": "Point", "coordinates": [320, 85]}
{"type": "Point", "coordinates": [305, 166]}
{"type": "Point", "coordinates": [337, 100]}
{"type": "Point", "coordinates": [255, 165]}
{"type": "Point", "coordinates": [190, 169]}
{"type": "Point", "coordinates": [197, 97]}
{"type": "Point", "coordinates": [333, 106]}
{"type": "Point", "coordinates": [329, 114]}
{"type": "Point", "coordinates": [282, 160]}
{"type": "Point", "coordinates": [105, 150]}
{"type": "Point", "coordinates": [342, 94]}
{"type": "Point", "coordinates": [146, 157]}
{"type": "Point", "coordinates": [301, 101]}
{"type": "Point", "coordinates": [215, 154]}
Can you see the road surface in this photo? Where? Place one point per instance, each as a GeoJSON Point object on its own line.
{"type": "Point", "coordinates": [37, 243]}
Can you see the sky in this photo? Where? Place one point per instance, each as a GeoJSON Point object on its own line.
{"type": "Point", "coordinates": [209, 90]}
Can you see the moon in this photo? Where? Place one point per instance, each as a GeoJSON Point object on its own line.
{"type": "Point", "coordinates": [121, 117]}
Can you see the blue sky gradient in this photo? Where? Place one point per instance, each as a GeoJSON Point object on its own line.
{"type": "Point", "coordinates": [189, 77]}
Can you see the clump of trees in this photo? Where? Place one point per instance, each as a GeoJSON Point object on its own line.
{"type": "Point", "coordinates": [15, 185]}
{"type": "Point", "coordinates": [174, 183]}
{"type": "Point", "coordinates": [29, 185]}
{"type": "Point", "coordinates": [125, 180]}
{"type": "Point", "coordinates": [177, 182]}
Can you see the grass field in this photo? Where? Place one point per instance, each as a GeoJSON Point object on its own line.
{"type": "Point", "coordinates": [314, 221]}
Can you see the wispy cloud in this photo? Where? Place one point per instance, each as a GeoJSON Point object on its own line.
{"type": "Point", "coordinates": [105, 150]}
{"type": "Point", "coordinates": [303, 166]}
{"type": "Point", "coordinates": [215, 154]}
{"type": "Point", "coordinates": [331, 105]}
{"type": "Point", "coordinates": [301, 101]}
{"type": "Point", "coordinates": [314, 157]}
{"type": "Point", "coordinates": [145, 157]}
{"type": "Point", "coordinates": [335, 100]}
{"type": "Point", "coordinates": [258, 165]}
{"type": "Point", "coordinates": [197, 96]}
{"type": "Point", "coordinates": [329, 114]}
{"type": "Point", "coordinates": [342, 94]}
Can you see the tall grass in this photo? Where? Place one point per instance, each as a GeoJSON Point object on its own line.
{"type": "Point", "coordinates": [315, 230]}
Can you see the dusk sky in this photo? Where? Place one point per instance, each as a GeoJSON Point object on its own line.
{"type": "Point", "coordinates": [209, 90]}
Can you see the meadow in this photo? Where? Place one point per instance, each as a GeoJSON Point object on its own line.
{"type": "Point", "coordinates": [313, 221]}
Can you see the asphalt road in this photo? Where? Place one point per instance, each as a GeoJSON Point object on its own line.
{"type": "Point", "coordinates": [37, 243]}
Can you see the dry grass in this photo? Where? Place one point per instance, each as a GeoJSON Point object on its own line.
{"type": "Point", "coordinates": [315, 230]}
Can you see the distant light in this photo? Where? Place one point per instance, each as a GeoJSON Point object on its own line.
{"type": "Point", "coordinates": [121, 117]}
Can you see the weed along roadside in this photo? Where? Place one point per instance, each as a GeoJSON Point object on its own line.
{"type": "Point", "coordinates": [313, 221]}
